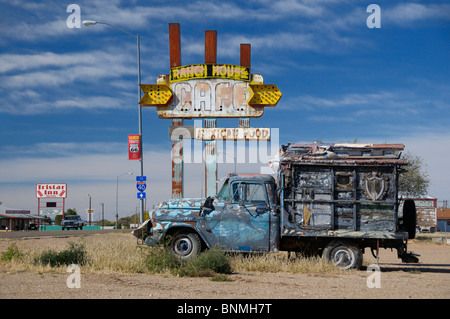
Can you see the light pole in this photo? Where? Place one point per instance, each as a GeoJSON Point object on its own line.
{"type": "Point", "coordinates": [89, 210]}
{"type": "Point", "coordinates": [103, 215]}
{"type": "Point", "coordinates": [117, 196]}
{"type": "Point", "coordinates": [88, 23]}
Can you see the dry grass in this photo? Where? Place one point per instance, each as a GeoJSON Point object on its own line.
{"type": "Point", "coordinates": [279, 262]}
{"type": "Point", "coordinates": [120, 253]}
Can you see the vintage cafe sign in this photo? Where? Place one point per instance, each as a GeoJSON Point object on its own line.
{"type": "Point", "coordinates": [204, 71]}
{"type": "Point", "coordinates": [209, 90]}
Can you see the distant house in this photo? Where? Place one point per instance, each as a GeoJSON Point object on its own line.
{"type": "Point", "coordinates": [443, 219]}
{"type": "Point", "coordinates": [17, 219]}
{"type": "Point", "coordinates": [426, 208]}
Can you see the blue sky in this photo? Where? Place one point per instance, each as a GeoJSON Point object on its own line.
{"type": "Point", "coordinates": [68, 96]}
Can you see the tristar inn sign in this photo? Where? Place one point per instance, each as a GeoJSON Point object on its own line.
{"type": "Point", "coordinates": [51, 190]}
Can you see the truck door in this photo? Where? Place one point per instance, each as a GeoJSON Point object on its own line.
{"type": "Point", "coordinates": [243, 224]}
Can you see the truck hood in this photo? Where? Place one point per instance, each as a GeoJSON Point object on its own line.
{"type": "Point", "coordinates": [184, 209]}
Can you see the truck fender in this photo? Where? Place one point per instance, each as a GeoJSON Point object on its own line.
{"type": "Point", "coordinates": [175, 229]}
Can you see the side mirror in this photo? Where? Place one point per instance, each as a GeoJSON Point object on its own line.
{"type": "Point", "coordinates": [261, 208]}
{"type": "Point", "coordinates": [208, 206]}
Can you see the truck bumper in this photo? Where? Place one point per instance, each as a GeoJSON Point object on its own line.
{"type": "Point", "coordinates": [154, 238]}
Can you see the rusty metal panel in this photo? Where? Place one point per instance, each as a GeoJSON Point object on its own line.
{"type": "Point", "coordinates": [329, 189]}
{"type": "Point", "coordinates": [245, 55]}
{"type": "Point", "coordinates": [244, 122]}
{"type": "Point", "coordinates": [174, 44]}
{"type": "Point", "coordinates": [210, 46]}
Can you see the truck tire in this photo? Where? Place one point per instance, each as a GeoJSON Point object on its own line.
{"type": "Point", "coordinates": [185, 245]}
{"type": "Point", "coordinates": [409, 218]}
{"type": "Point", "coordinates": [343, 255]}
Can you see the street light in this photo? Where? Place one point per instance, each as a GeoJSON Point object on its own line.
{"type": "Point", "coordinates": [117, 196]}
{"type": "Point", "coordinates": [88, 23]}
{"type": "Point", "coordinates": [103, 215]}
{"type": "Point", "coordinates": [89, 210]}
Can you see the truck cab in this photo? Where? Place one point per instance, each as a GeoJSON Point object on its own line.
{"type": "Point", "coordinates": [242, 217]}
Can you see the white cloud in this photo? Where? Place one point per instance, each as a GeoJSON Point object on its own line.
{"type": "Point", "coordinates": [409, 13]}
{"type": "Point", "coordinates": [48, 81]}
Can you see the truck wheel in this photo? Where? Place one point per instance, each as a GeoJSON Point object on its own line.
{"type": "Point", "coordinates": [185, 245]}
{"type": "Point", "coordinates": [410, 218]}
{"type": "Point", "coordinates": [343, 255]}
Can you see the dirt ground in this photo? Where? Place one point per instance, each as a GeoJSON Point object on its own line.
{"type": "Point", "coordinates": [430, 279]}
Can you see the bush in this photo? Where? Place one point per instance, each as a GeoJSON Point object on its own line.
{"type": "Point", "coordinates": [11, 253]}
{"type": "Point", "coordinates": [159, 259]}
{"type": "Point", "coordinates": [206, 264]}
{"type": "Point", "coordinates": [74, 254]}
{"type": "Point", "coordinates": [211, 260]}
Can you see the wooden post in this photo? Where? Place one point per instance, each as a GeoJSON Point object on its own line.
{"type": "Point", "coordinates": [211, 46]}
{"type": "Point", "coordinates": [246, 55]}
{"type": "Point", "coordinates": [174, 44]}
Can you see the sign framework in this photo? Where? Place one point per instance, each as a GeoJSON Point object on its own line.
{"type": "Point", "coordinates": [209, 91]}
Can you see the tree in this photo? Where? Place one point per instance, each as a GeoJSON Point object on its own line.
{"type": "Point", "coordinates": [415, 181]}
{"type": "Point", "coordinates": [71, 211]}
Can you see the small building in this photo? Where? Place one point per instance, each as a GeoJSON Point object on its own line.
{"type": "Point", "coordinates": [17, 219]}
{"type": "Point", "coordinates": [443, 219]}
{"type": "Point", "coordinates": [426, 208]}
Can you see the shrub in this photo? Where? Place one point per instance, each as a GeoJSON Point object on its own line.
{"type": "Point", "coordinates": [74, 254]}
{"type": "Point", "coordinates": [11, 253]}
{"type": "Point", "coordinates": [213, 259]}
{"type": "Point", "coordinates": [206, 264]}
{"type": "Point", "coordinates": [160, 259]}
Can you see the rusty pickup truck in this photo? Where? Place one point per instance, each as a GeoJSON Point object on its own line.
{"type": "Point", "coordinates": [328, 200]}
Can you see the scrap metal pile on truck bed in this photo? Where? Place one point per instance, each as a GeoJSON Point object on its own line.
{"type": "Point", "coordinates": [330, 200]}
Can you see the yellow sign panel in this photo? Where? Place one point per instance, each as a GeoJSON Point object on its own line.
{"type": "Point", "coordinates": [155, 95]}
{"type": "Point", "coordinates": [264, 95]}
{"type": "Point", "coordinates": [212, 71]}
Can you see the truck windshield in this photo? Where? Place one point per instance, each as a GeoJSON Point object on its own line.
{"type": "Point", "coordinates": [224, 193]}
{"type": "Point", "coordinates": [249, 193]}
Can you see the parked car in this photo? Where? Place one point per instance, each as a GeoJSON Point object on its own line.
{"type": "Point", "coordinates": [72, 221]}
